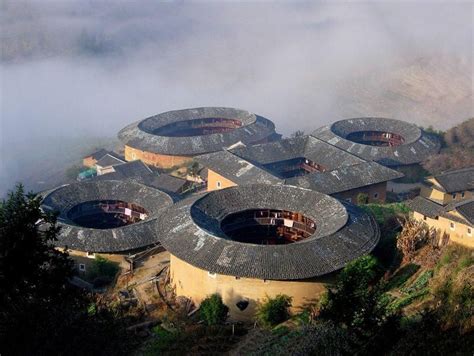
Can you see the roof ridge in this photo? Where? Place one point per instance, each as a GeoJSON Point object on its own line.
{"type": "Point", "coordinates": [453, 171]}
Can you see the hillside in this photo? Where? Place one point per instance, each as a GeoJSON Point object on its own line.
{"type": "Point", "coordinates": [458, 150]}
{"type": "Point", "coordinates": [431, 289]}
{"type": "Point", "coordinates": [429, 91]}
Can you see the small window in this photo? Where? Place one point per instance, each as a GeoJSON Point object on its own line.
{"type": "Point", "coordinates": [212, 275]}
{"type": "Point", "coordinates": [452, 226]}
{"type": "Point", "coordinates": [424, 217]}
{"type": "Point", "coordinates": [469, 231]}
{"type": "Point", "coordinates": [463, 194]}
{"type": "Point", "coordinates": [218, 184]}
{"type": "Point", "coordinates": [454, 196]}
{"type": "Point", "coordinates": [376, 195]}
{"type": "Point", "coordinates": [82, 267]}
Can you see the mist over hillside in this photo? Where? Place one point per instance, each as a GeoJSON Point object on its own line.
{"type": "Point", "coordinates": [82, 69]}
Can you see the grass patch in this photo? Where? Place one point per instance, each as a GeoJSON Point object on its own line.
{"type": "Point", "coordinates": [465, 261]}
{"type": "Point", "coordinates": [454, 253]}
{"type": "Point", "coordinates": [402, 275]}
{"type": "Point", "coordinates": [162, 341]}
{"type": "Point", "coordinates": [191, 339]}
{"type": "Point", "coordinates": [420, 283]}
{"type": "Point", "coordinates": [403, 302]}
{"type": "Point", "coordinates": [102, 272]}
{"type": "Point", "coordinates": [383, 212]}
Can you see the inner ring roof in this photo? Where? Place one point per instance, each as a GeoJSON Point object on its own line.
{"type": "Point", "coordinates": [118, 239]}
{"type": "Point", "coordinates": [417, 147]}
{"type": "Point", "coordinates": [140, 134]}
{"type": "Point", "coordinates": [192, 233]}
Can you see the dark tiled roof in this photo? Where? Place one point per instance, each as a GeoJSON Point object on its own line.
{"type": "Point", "coordinates": [431, 209]}
{"type": "Point", "coordinates": [456, 180]}
{"type": "Point", "coordinates": [140, 134]}
{"type": "Point", "coordinates": [140, 172]}
{"type": "Point", "coordinates": [426, 207]}
{"type": "Point", "coordinates": [466, 209]}
{"type": "Point", "coordinates": [417, 147]}
{"type": "Point", "coordinates": [132, 169]}
{"type": "Point", "coordinates": [308, 147]}
{"type": "Point", "coordinates": [166, 183]}
{"type": "Point", "coordinates": [109, 160]}
{"type": "Point", "coordinates": [106, 240]}
{"type": "Point", "coordinates": [346, 178]}
{"type": "Point", "coordinates": [245, 165]}
{"type": "Point", "coordinates": [238, 170]}
{"type": "Point", "coordinates": [98, 154]}
{"type": "Point", "coordinates": [191, 231]}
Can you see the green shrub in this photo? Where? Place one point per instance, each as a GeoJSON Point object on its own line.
{"type": "Point", "coordinates": [274, 310]}
{"type": "Point", "coordinates": [213, 311]}
{"type": "Point", "coordinates": [163, 340]}
{"type": "Point", "coordinates": [102, 271]}
{"type": "Point", "coordinates": [358, 300]}
{"type": "Point", "coordinates": [383, 212]}
{"type": "Point", "coordinates": [362, 198]}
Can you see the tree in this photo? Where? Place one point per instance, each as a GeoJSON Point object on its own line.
{"type": "Point", "coordinates": [297, 133]}
{"type": "Point", "coordinates": [274, 310]}
{"type": "Point", "coordinates": [213, 311]}
{"type": "Point", "coordinates": [193, 169]}
{"type": "Point", "coordinates": [456, 151]}
{"type": "Point", "coordinates": [358, 300]}
{"type": "Point", "coordinates": [40, 312]}
{"type": "Point", "coordinates": [33, 274]}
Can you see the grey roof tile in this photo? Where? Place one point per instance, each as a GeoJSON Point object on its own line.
{"type": "Point", "coordinates": [417, 147]}
{"type": "Point", "coordinates": [345, 171]}
{"type": "Point", "coordinates": [346, 178]}
{"type": "Point", "coordinates": [120, 239]}
{"type": "Point", "coordinates": [109, 160]}
{"type": "Point", "coordinates": [140, 134]}
{"type": "Point", "coordinates": [309, 147]}
{"type": "Point", "coordinates": [433, 210]}
{"type": "Point", "coordinates": [238, 170]}
{"type": "Point", "coordinates": [192, 232]}
{"type": "Point", "coordinates": [456, 180]}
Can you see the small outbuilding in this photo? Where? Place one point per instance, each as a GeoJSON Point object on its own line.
{"type": "Point", "coordinates": [446, 203]}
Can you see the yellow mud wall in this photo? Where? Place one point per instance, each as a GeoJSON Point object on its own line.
{"type": "Point", "coordinates": [197, 284]}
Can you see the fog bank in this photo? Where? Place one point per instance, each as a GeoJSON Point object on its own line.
{"type": "Point", "coordinates": [86, 69]}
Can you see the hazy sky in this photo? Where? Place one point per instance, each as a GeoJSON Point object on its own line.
{"type": "Point", "coordinates": [87, 68]}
